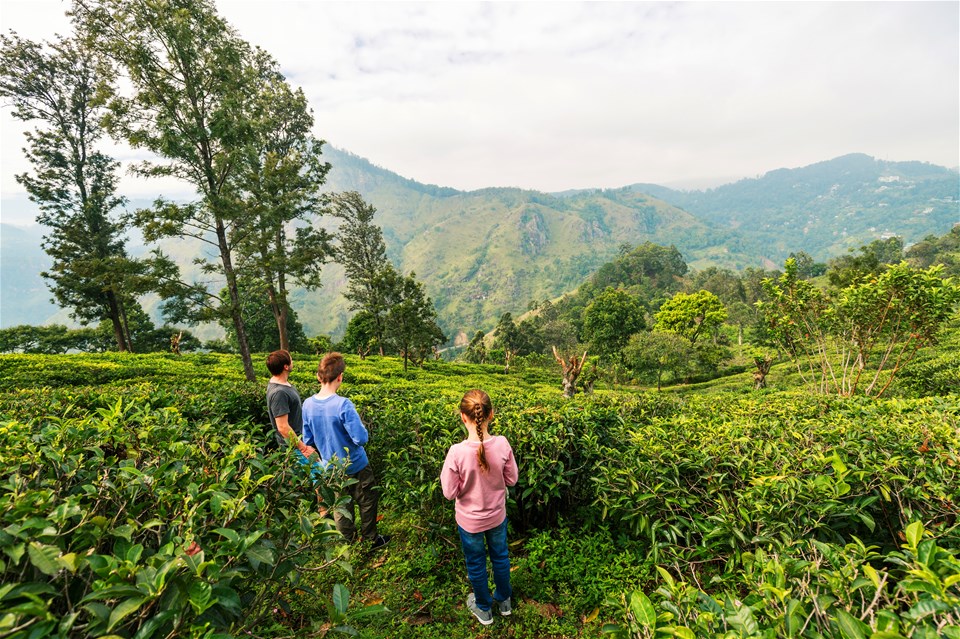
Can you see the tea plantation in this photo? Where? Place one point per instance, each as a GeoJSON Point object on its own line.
{"type": "Point", "coordinates": [140, 498]}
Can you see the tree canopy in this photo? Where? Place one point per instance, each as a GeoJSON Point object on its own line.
{"type": "Point", "coordinates": [691, 315]}
{"type": "Point", "coordinates": [74, 183]}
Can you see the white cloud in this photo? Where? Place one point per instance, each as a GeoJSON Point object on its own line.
{"type": "Point", "coordinates": [567, 95]}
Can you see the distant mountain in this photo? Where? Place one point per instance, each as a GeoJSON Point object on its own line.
{"type": "Point", "coordinates": [829, 207]}
{"type": "Point", "coordinates": [485, 252]}
{"type": "Point", "coordinates": [482, 253]}
{"type": "Point", "coordinates": [24, 296]}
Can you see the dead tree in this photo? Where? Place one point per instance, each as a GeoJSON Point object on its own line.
{"type": "Point", "coordinates": [507, 356]}
{"type": "Point", "coordinates": [571, 370]}
{"type": "Point", "coordinates": [760, 375]}
{"type": "Point", "coordinates": [175, 343]}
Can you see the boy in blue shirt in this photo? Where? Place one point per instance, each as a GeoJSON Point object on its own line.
{"type": "Point", "coordinates": [333, 427]}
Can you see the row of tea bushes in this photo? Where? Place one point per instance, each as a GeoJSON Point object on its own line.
{"type": "Point", "coordinates": [121, 517]}
{"type": "Point", "coordinates": [813, 590]}
{"type": "Point", "coordinates": [703, 483]}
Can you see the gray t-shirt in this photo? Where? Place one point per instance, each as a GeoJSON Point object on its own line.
{"type": "Point", "coordinates": [284, 400]}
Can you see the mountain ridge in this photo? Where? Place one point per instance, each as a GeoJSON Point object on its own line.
{"type": "Point", "coordinates": [484, 252]}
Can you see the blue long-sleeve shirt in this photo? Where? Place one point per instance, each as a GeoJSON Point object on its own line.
{"type": "Point", "coordinates": [332, 426]}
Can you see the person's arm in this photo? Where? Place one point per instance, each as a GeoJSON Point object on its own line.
{"type": "Point", "coordinates": [288, 434]}
{"type": "Point", "coordinates": [353, 425]}
{"type": "Point", "coordinates": [510, 471]}
{"type": "Point", "coordinates": [450, 480]}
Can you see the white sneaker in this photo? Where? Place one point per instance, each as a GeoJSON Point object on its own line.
{"type": "Point", "coordinates": [504, 607]}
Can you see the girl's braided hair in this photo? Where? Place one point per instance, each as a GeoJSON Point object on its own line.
{"type": "Point", "coordinates": [477, 407]}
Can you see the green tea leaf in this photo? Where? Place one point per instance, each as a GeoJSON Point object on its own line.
{"type": "Point", "coordinates": [123, 609]}
{"type": "Point", "coordinates": [643, 610]}
{"type": "Point", "coordinates": [152, 625]}
{"type": "Point", "coordinates": [68, 561]}
{"type": "Point", "coordinates": [838, 466]}
{"type": "Point", "coordinates": [914, 534]}
{"type": "Point", "coordinates": [199, 593]}
{"type": "Point", "coordinates": [230, 535]}
{"type": "Point", "coordinates": [743, 620]}
{"type": "Point", "coordinates": [260, 554]}
{"type": "Point", "coordinates": [44, 558]}
{"type": "Point", "coordinates": [850, 627]}
{"type": "Point", "coordinates": [870, 572]}
{"type": "Point", "coordinates": [341, 598]}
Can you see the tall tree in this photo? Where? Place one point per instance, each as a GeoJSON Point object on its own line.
{"type": "Point", "coordinates": [944, 250]}
{"type": "Point", "coordinates": [360, 336]}
{"type": "Point", "coordinates": [507, 336]}
{"type": "Point", "coordinates": [868, 260]}
{"type": "Point", "coordinates": [868, 331]}
{"type": "Point", "coordinates": [654, 353]}
{"type": "Point", "coordinates": [411, 320]}
{"type": "Point", "coordinates": [477, 350]}
{"type": "Point", "coordinates": [192, 100]}
{"type": "Point", "coordinates": [692, 315]}
{"type": "Point", "coordinates": [362, 252]}
{"type": "Point", "coordinates": [260, 321]}
{"type": "Point", "coordinates": [278, 189]}
{"type": "Point", "coordinates": [651, 265]}
{"type": "Point", "coordinates": [74, 184]}
{"type": "Point", "coordinates": [609, 321]}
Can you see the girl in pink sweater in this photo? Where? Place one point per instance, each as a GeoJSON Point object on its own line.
{"type": "Point", "coordinates": [476, 473]}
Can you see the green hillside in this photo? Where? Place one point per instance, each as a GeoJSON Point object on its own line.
{"type": "Point", "coordinates": [827, 208]}
{"type": "Point", "coordinates": [490, 251]}
{"type": "Point", "coordinates": [485, 252]}
{"type": "Point", "coordinates": [24, 296]}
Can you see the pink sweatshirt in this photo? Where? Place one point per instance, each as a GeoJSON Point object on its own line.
{"type": "Point", "coordinates": [481, 496]}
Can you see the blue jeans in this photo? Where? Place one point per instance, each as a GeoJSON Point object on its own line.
{"type": "Point", "coordinates": [476, 546]}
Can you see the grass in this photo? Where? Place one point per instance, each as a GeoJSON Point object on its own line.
{"type": "Point", "coordinates": [421, 579]}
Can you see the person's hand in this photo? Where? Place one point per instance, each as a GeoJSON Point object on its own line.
{"type": "Point", "coordinates": [308, 451]}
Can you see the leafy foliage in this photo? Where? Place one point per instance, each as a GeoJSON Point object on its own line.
{"type": "Point", "coordinates": [73, 183]}
{"type": "Point", "coordinates": [123, 515]}
{"type": "Point", "coordinates": [609, 321]}
{"type": "Point", "coordinates": [881, 322]}
{"type": "Point", "coordinates": [361, 250]}
{"type": "Point", "coordinates": [755, 498]}
{"type": "Point", "coordinates": [813, 590]}
{"type": "Point", "coordinates": [279, 193]}
{"type": "Point", "coordinates": [692, 315]}
{"type": "Point", "coordinates": [654, 353]}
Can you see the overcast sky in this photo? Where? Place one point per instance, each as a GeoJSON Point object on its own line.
{"type": "Point", "coordinates": [553, 96]}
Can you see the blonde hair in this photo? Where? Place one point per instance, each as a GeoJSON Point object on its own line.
{"type": "Point", "coordinates": [476, 405]}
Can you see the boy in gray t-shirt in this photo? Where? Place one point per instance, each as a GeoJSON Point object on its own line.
{"type": "Point", "coordinates": [283, 403]}
{"type": "Point", "coordinates": [284, 400]}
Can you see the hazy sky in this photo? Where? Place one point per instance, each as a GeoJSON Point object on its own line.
{"type": "Point", "coordinates": [553, 96]}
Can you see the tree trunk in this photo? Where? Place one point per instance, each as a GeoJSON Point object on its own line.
{"type": "Point", "coordinates": [280, 316]}
{"type": "Point", "coordinates": [118, 332]}
{"type": "Point", "coordinates": [126, 326]}
{"type": "Point", "coordinates": [571, 370]}
{"type": "Point", "coordinates": [760, 375]}
{"type": "Point", "coordinates": [232, 288]}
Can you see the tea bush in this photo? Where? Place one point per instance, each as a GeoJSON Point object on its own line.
{"type": "Point", "coordinates": [812, 589]}
{"type": "Point", "coordinates": [140, 496]}
{"type": "Point", "coordinates": [120, 516]}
